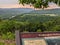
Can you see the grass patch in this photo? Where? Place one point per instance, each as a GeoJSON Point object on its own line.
{"type": "Point", "coordinates": [2, 43]}
{"type": "Point", "coordinates": [7, 43]}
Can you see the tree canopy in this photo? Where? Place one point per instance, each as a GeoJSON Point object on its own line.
{"type": "Point", "coordinates": [38, 3]}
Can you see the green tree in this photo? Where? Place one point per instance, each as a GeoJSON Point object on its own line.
{"type": "Point", "coordinates": [35, 3]}
{"type": "Point", "coordinates": [39, 3]}
{"type": "Point", "coordinates": [56, 28]}
{"type": "Point", "coordinates": [39, 30]}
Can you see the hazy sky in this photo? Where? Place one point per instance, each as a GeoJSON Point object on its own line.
{"type": "Point", "coordinates": [8, 2]}
{"type": "Point", "coordinates": [14, 4]}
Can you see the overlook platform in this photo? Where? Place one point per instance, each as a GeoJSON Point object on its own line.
{"type": "Point", "coordinates": [37, 38]}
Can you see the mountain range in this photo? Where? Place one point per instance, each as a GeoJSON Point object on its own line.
{"type": "Point", "coordinates": [13, 12]}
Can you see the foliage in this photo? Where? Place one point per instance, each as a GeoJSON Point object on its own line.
{"type": "Point", "coordinates": [35, 3]}
{"type": "Point", "coordinates": [1, 43]}
{"type": "Point", "coordinates": [6, 26]}
{"type": "Point", "coordinates": [39, 3]}
{"type": "Point", "coordinates": [29, 23]}
{"type": "Point", "coordinates": [8, 36]}
{"type": "Point", "coordinates": [35, 17]}
{"type": "Point", "coordinates": [39, 30]}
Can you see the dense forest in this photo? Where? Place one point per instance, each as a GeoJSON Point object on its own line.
{"type": "Point", "coordinates": [30, 23]}
{"type": "Point", "coordinates": [8, 27]}
{"type": "Point", "coordinates": [33, 21]}
{"type": "Point", "coordinates": [13, 12]}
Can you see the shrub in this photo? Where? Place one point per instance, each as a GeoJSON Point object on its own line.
{"type": "Point", "coordinates": [8, 35]}
{"type": "Point", "coordinates": [1, 43]}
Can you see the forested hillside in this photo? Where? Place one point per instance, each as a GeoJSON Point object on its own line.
{"type": "Point", "coordinates": [36, 17]}
{"type": "Point", "coordinates": [12, 12]}
{"type": "Point", "coordinates": [52, 24]}
{"type": "Point", "coordinates": [48, 11]}
{"type": "Point", "coordinates": [34, 21]}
